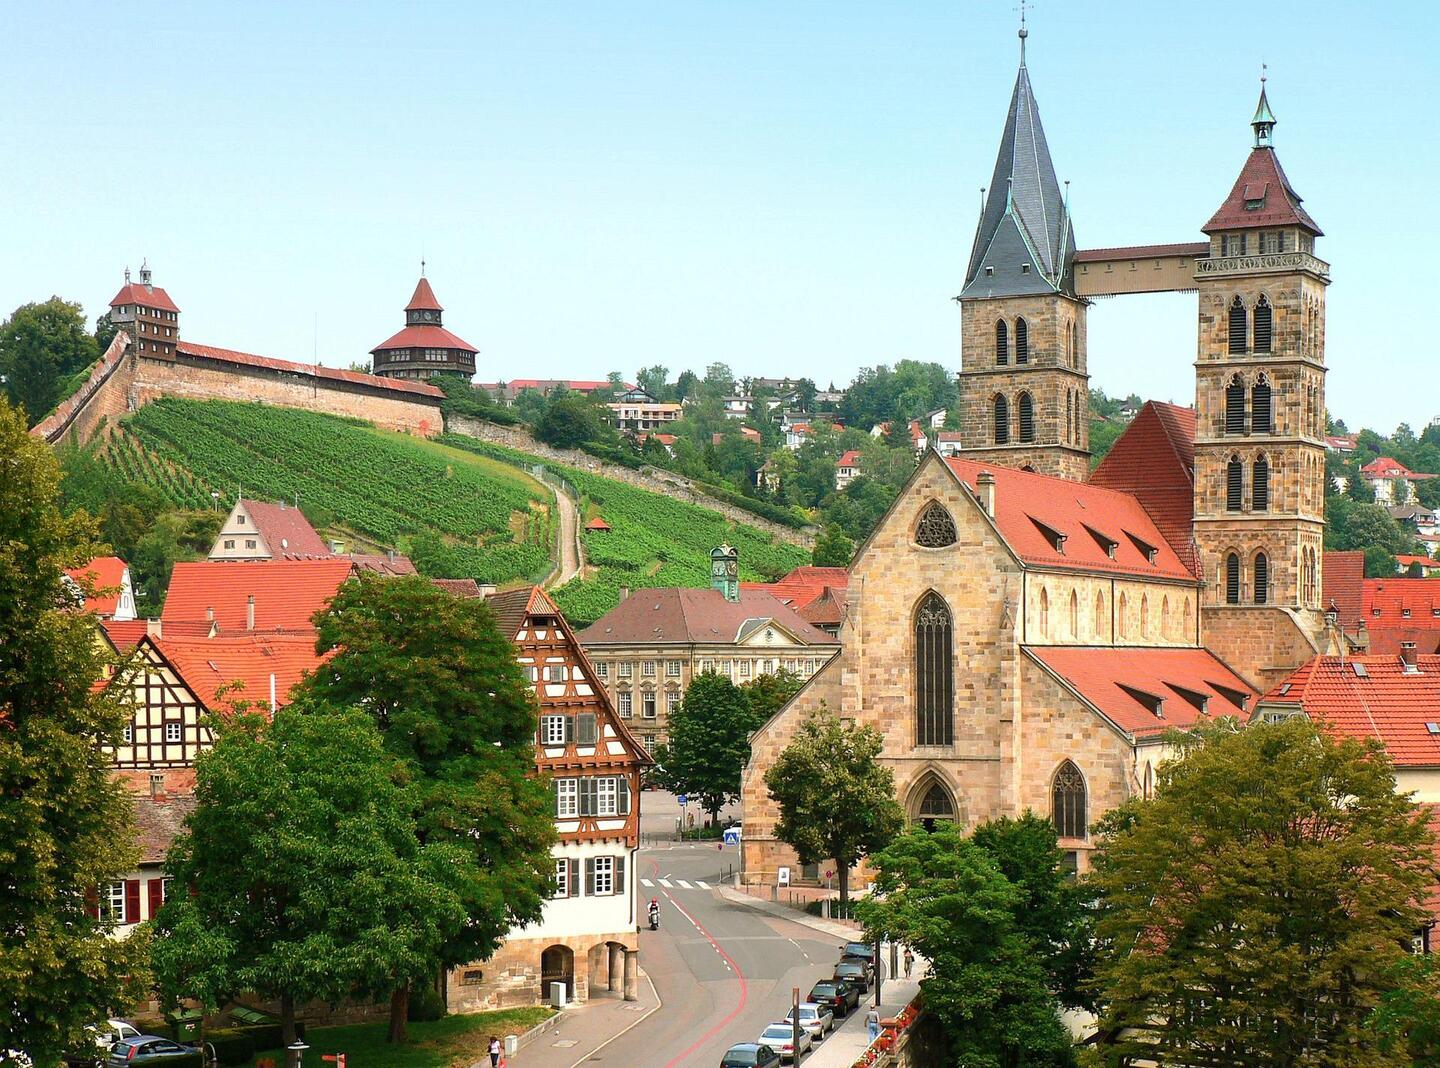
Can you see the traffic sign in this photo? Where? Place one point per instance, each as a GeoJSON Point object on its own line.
{"type": "Point", "coordinates": [732, 836]}
{"type": "Point", "coordinates": [682, 800]}
{"type": "Point", "coordinates": [338, 1058]}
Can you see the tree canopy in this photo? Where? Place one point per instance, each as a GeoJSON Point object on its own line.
{"type": "Point", "coordinates": [709, 741]}
{"type": "Point", "coordinates": [41, 344]}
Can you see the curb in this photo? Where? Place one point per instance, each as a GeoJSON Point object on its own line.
{"type": "Point", "coordinates": [816, 923]}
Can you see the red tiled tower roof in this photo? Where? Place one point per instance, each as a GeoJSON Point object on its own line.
{"type": "Point", "coordinates": [424, 298]}
{"type": "Point", "coordinates": [145, 296]}
{"type": "Point", "coordinates": [1154, 460]}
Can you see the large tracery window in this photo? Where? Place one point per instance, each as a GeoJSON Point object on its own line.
{"type": "Point", "coordinates": [1067, 801]}
{"type": "Point", "coordinates": [934, 673]}
{"type": "Point", "coordinates": [935, 805]}
{"type": "Point", "coordinates": [936, 529]}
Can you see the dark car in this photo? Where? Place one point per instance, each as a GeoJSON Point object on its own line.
{"type": "Point", "coordinates": [854, 972]}
{"type": "Point", "coordinates": [839, 995]}
{"type": "Point", "coordinates": [152, 1049]}
{"type": "Point", "coordinates": [860, 953]}
{"type": "Point", "coordinates": [749, 1055]}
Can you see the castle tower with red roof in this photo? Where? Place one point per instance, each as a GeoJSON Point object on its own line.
{"type": "Point", "coordinates": [424, 347]}
{"type": "Point", "coordinates": [1260, 398]}
{"type": "Point", "coordinates": [1024, 390]}
{"type": "Point", "coordinates": [147, 314]}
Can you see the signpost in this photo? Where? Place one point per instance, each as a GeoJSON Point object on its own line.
{"type": "Point", "coordinates": [795, 1023]}
{"type": "Point", "coordinates": [682, 800]}
{"type": "Point", "coordinates": [732, 836]}
{"type": "Point", "coordinates": [829, 874]}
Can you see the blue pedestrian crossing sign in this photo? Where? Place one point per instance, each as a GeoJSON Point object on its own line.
{"type": "Point", "coordinates": [682, 800]}
{"type": "Point", "coordinates": [732, 836]}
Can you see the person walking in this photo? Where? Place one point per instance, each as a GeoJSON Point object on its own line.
{"type": "Point", "coordinates": [909, 961]}
{"type": "Point", "coordinates": [494, 1052]}
{"type": "Point", "coordinates": [872, 1023]}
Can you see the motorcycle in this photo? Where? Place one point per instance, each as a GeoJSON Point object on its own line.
{"type": "Point", "coordinates": [654, 919]}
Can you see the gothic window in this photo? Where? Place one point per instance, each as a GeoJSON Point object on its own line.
{"type": "Point", "coordinates": [1002, 420]}
{"type": "Point", "coordinates": [1238, 324]}
{"type": "Point", "coordinates": [1147, 788]}
{"type": "Point", "coordinates": [934, 679]}
{"type": "Point", "coordinates": [1165, 616]}
{"type": "Point", "coordinates": [1044, 613]}
{"type": "Point", "coordinates": [1022, 341]}
{"type": "Point", "coordinates": [1262, 578]}
{"type": "Point", "coordinates": [1069, 416]}
{"type": "Point", "coordinates": [1074, 615]}
{"type": "Point", "coordinates": [1027, 415]}
{"type": "Point", "coordinates": [1260, 408]}
{"type": "Point", "coordinates": [1234, 485]}
{"type": "Point", "coordinates": [936, 529]}
{"type": "Point", "coordinates": [1263, 317]}
{"type": "Point", "coordinates": [1120, 624]}
{"type": "Point", "coordinates": [1067, 801]}
{"type": "Point", "coordinates": [1099, 613]}
{"type": "Point", "coordinates": [1232, 579]}
{"type": "Point", "coordinates": [1260, 485]}
{"type": "Point", "coordinates": [1144, 616]}
{"type": "Point", "coordinates": [936, 804]}
{"type": "Point", "coordinates": [1002, 342]}
{"type": "Point", "coordinates": [1235, 406]}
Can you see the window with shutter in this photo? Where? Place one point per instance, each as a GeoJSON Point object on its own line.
{"type": "Point", "coordinates": [1027, 416]}
{"type": "Point", "coordinates": [1238, 323]}
{"type": "Point", "coordinates": [590, 876]}
{"type": "Point", "coordinates": [1232, 579]}
{"type": "Point", "coordinates": [1234, 485]}
{"type": "Point", "coordinates": [1263, 319]}
{"type": "Point", "coordinates": [624, 798]}
{"type": "Point", "coordinates": [1002, 420]}
{"type": "Point", "coordinates": [154, 896]}
{"type": "Point", "coordinates": [588, 795]}
{"type": "Point", "coordinates": [1260, 407]}
{"type": "Point", "coordinates": [553, 730]}
{"type": "Point", "coordinates": [602, 880]}
{"type": "Point", "coordinates": [1002, 342]}
{"type": "Point", "coordinates": [1235, 406]}
{"type": "Point", "coordinates": [1262, 579]}
{"type": "Point", "coordinates": [574, 883]}
{"type": "Point", "coordinates": [585, 728]}
{"type": "Point", "coordinates": [1022, 341]}
{"type": "Point", "coordinates": [1260, 486]}
{"type": "Point", "coordinates": [619, 875]}
{"type": "Point", "coordinates": [566, 799]}
{"type": "Point", "coordinates": [562, 879]}
{"type": "Point", "coordinates": [132, 901]}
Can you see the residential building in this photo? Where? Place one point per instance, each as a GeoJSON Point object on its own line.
{"type": "Point", "coordinates": [506, 392]}
{"type": "Point", "coordinates": [949, 442]}
{"type": "Point", "coordinates": [640, 416]}
{"type": "Point", "coordinates": [797, 434]}
{"type": "Point", "coordinates": [816, 593]}
{"type": "Point", "coordinates": [649, 648]}
{"type": "Point", "coordinates": [1417, 566]}
{"type": "Point", "coordinates": [1341, 443]}
{"type": "Point", "coordinates": [139, 895]}
{"type": "Point", "coordinates": [847, 468]}
{"type": "Point", "coordinates": [667, 441]}
{"type": "Point", "coordinates": [1425, 521]}
{"type": "Point", "coordinates": [1392, 481]}
{"type": "Point", "coordinates": [258, 530]}
{"type": "Point", "coordinates": [105, 587]}
{"type": "Point", "coordinates": [424, 347]}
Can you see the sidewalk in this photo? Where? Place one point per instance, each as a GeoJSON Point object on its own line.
{"type": "Point", "coordinates": [576, 1033]}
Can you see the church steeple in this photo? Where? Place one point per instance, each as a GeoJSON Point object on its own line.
{"type": "Point", "coordinates": [1264, 120]}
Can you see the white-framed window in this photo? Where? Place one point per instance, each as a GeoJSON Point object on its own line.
{"type": "Point", "coordinates": [727, 668]}
{"type": "Point", "coordinates": [672, 669]}
{"type": "Point", "coordinates": [127, 734]}
{"type": "Point", "coordinates": [605, 803]}
{"type": "Point", "coordinates": [249, 543]}
{"type": "Point", "coordinates": [567, 798]}
{"type": "Point", "coordinates": [603, 882]}
{"type": "Point", "coordinates": [173, 731]}
{"type": "Point", "coordinates": [672, 702]}
{"type": "Point", "coordinates": [229, 543]}
{"type": "Point", "coordinates": [745, 668]}
{"type": "Point", "coordinates": [623, 701]}
{"type": "Point", "coordinates": [625, 667]}
{"type": "Point", "coordinates": [552, 730]}
{"type": "Point", "coordinates": [647, 704]}
{"type": "Point", "coordinates": [562, 878]}
{"type": "Point", "coordinates": [647, 668]}
{"type": "Point", "coordinates": [648, 741]}
{"type": "Point", "coordinates": [602, 669]}
{"type": "Point", "coordinates": [112, 903]}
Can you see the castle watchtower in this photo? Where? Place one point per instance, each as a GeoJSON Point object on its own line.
{"type": "Point", "coordinates": [147, 315]}
{"type": "Point", "coordinates": [424, 347]}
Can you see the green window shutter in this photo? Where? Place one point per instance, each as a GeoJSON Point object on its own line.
{"type": "Point", "coordinates": [590, 877]}
{"type": "Point", "coordinates": [588, 797]}
{"type": "Point", "coordinates": [585, 728]}
{"type": "Point", "coordinates": [619, 875]}
{"type": "Point", "coordinates": [574, 882]}
{"type": "Point", "coordinates": [622, 792]}
{"type": "Point", "coordinates": [569, 729]}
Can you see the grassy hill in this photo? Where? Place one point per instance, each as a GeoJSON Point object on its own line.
{"type": "Point", "coordinates": [461, 507]}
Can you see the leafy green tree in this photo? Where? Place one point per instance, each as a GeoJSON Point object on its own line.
{"type": "Point", "coordinates": [1104, 433]}
{"type": "Point", "coordinates": [836, 800]}
{"type": "Point", "coordinates": [1254, 910]}
{"type": "Point", "coordinates": [572, 421]}
{"type": "Point", "coordinates": [832, 548]}
{"type": "Point", "coordinates": [654, 381]}
{"type": "Point", "coordinates": [719, 380]}
{"type": "Point", "coordinates": [805, 394]}
{"type": "Point", "coordinates": [1370, 529]}
{"type": "Point", "coordinates": [685, 385]}
{"type": "Point", "coordinates": [988, 982]}
{"type": "Point", "coordinates": [65, 825]}
{"type": "Point", "coordinates": [1407, 1021]}
{"type": "Point", "coordinates": [452, 704]}
{"type": "Point", "coordinates": [306, 877]}
{"type": "Point", "coordinates": [1359, 489]}
{"type": "Point", "coordinates": [105, 332]}
{"type": "Point", "coordinates": [858, 507]}
{"type": "Point", "coordinates": [768, 693]}
{"type": "Point", "coordinates": [1428, 490]}
{"type": "Point", "coordinates": [710, 741]}
{"type": "Point", "coordinates": [39, 345]}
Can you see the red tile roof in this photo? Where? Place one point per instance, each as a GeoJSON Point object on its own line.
{"type": "Point", "coordinates": [1342, 578]}
{"type": "Point", "coordinates": [424, 298]}
{"type": "Point", "coordinates": [287, 593]}
{"type": "Point", "coordinates": [1263, 180]}
{"type": "Point", "coordinates": [1143, 252]}
{"type": "Point", "coordinates": [126, 634]}
{"type": "Point", "coordinates": [286, 530]}
{"type": "Point", "coordinates": [424, 337]}
{"type": "Point", "coordinates": [686, 616]}
{"type": "Point", "coordinates": [147, 296]}
{"type": "Point", "coordinates": [209, 664]}
{"type": "Point", "coordinates": [1385, 703]}
{"type": "Point", "coordinates": [382, 563]}
{"type": "Point", "coordinates": [803, 585]}
{"type": "Point", "coordinates": [104, 575]}
{"type": "Point", "coordinates": [1154, 459]}
{"type": "Point", "coordinates": [578, 385]}
{"type": "Point", "coordinates": [827, 610]}
{"type": "Point", "coordinates": [464, 587]}
{"type": "Point", "coordinates": [597, 524]}
{"type": "Point", "coordinates": [1123, 683]}
{"type": "Point", "coordinates": [312, 370]}
{"type": "Point", "coordinates": [1341, 442]}
{"type": "Point", "coordinates": [157, 821]}
{"type": "Point", "coordinates": [1389, 467]}
{"type": "Point", "coordinates": [1401, 602]}
{"type": "Point", "coordinates": [1085, 515]}
{"type": "Point", "coordinates": [1405, 560]}
{"type": "Point", "coordinates": [849, 458]}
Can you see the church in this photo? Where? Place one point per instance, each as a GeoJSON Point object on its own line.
{"type": "Point", "coordinates": [1022, 630]}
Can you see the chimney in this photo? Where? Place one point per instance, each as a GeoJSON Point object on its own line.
{"type": "Point", "coordinates": [1410, 663]}
{"type": "Point", "coordinates": [152, 629]}
{"type": "Point", "coordinates": [250, 612]}
{"type": "Point", "coordinates": [487, 589]}
{"type": "Point", "coordinates": [985, 490]}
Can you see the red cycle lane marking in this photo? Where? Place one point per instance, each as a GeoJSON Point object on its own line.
{"type": "Point", "coordinates": [708, 1035]}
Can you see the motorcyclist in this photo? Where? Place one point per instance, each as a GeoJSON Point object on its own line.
{"type": "Point", "coordinates": [654, 914]}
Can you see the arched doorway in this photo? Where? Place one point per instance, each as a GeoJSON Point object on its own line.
{"type": "Point", "coordinates": [557, 965]}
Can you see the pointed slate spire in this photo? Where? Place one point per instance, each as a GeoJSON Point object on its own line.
{"type": "Point", "coordinates": [1264, 120]}
{"type": "Point", "coordinates": [1024, 244]}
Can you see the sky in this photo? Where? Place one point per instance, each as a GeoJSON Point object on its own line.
{"type": "Point", "coordinates": [789, 188]}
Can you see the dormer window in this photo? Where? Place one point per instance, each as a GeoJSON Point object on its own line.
{"type": "Point", "coordinates": [1106, 543]}
{"type": "Point", "coordinates": [1050, 534]}
{"type": "Point", "coordinates": [1152, 702]}
{"type": "Point", "coordinates": [1143, 547]}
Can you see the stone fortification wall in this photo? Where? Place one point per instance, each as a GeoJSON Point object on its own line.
{"type": "Point", "coordinates": [653, 479]}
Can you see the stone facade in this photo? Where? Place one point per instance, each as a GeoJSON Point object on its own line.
{"type": "Point", "coordinates": [1264, 643]}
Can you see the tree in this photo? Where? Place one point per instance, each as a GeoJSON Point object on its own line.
{"type": "Point", "coordinates": [768, 693]}
{"type": "Point", "coordinates": [686, 385]}
{"type": "Point", "coordinates": [836, 800]}
{"type": "Point", "coordinates": [306, 877]}
{"type": "Point", "coordinates": [988, 983]}
{"type": "Point", "coordinates": [570, 422]}
{"type": "Point", "coordinates": [653, 380]}
{"type": "Point", "coordinates": [65, 825]}
{"type": "Point", "coordinates": [452, 703]}
{"type": "Point", "coordinates": [1254, 910]}
{"type": "Point", "coordinates": [105, 332]}
{"type": "Point", "coordinates": [1428, 490]}
{"type": "Point", "coordinates": [39, 345]}
{"type": "Point", "coordinates": [1407, 1021]}
{"type": "Point", "coordinates": [1368, 528]}
{"type": "Point", "coordinates": [832, 548]}
{"type": "Point", "coordinates": [805, 394]}
{"type": "Point", "coordinates": [710, 741]}
{"type": "Point", "coordinates": [719, 380]}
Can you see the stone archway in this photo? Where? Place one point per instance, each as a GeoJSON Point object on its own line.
{"type": "Point", "coordinates": [557, 965]}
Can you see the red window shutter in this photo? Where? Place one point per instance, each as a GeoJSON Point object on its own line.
{"type": "Point", "coordinates": [132, 901]}
{"type": "Point", "coordinates": [155, 891]}
{"type": "Point", "coordinates": [92, 903]}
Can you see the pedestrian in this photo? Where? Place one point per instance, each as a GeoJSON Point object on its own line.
{"type": "Point", "coordinates": [494, 1052]}
{"type": "Point", "coordinates": [872, 1023]}
{"type": "Point", "coordinates": [909, 961]}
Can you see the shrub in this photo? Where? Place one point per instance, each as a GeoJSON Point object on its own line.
{"type": "Point", "coordinates": [816, 908]}
{"type": "Point", "coordinates": [232, 1046]}
{"type": "Point", "coordinates": [426, 1005]}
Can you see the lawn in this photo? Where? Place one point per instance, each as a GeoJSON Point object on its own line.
{"type": "Point", "coordinates": [458, 1040]}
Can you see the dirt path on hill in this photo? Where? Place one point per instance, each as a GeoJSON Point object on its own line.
{"type": "Point", "coordinates": [571, 558]}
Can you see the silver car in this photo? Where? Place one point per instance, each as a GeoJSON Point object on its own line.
{"type": "Point", "coordinates": [780, 1038]}
{"type": "Point", "coordinates": [815, 1018]}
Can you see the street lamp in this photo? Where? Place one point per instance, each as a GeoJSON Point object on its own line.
{"type": "Point", "coordinates": [296, 1049]}
{"type": "Point", "coordinates": [215, 496]}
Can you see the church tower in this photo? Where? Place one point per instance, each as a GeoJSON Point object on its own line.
{"type": "Point", "coordinates": [1024, 393]}
{"type": "Point", "coordinates": [1260, 398]}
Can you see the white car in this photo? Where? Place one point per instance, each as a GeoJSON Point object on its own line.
{"type": "Point", "coordinates": [780, 1038]}
{"type": "Point", "coordinates": [815, 1018]}
{"type": "Point", "coordinates": [113, 1031]}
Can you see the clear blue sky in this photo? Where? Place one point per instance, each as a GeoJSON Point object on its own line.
{"type": "Point", "coordinates": [791, 188]}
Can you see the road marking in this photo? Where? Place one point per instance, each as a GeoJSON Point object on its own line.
{"type": "Point", "coordinates": [633, 1024]}
{"type": "Point", "coordinates": [646, 882]}
{"type": "Point", "coordinates": [797, 946]}
{"type": "Point", "coordinates": [702, 884]}
{"type": "Point", "coordinates": [665, 883]}
{"type": "Point", "coordinates": [683, 884]}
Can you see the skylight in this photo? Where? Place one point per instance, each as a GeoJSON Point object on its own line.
{"type": "Point", "coordinates": [1360, 671]}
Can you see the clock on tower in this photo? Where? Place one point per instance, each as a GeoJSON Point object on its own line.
{"type": "Point", "coordinates": [725, 572]}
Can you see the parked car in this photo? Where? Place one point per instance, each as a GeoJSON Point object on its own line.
{"type": "Point", "coordinates": [152, 1049]}
{"type": "Point", "coordinates": [101, 1037]}
{"type": "Point", "coordinates": [855, 972]}
{"type": "Point", "coordinates": [749, 1055]}
{"type": "Point", "coordinates": [781, 1038]}
{"type": "Point", "coordinates": [815, 1018]}
{"type": "Point", "coordinates": [860, 953]}
{"type": "Point", "coordinates": [838, 995]}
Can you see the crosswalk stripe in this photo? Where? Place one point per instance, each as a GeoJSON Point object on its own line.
{"type": "Point", "coordinates": [702, 885]}
{"type": "Point", "coordinates": [683, 884]}
{"type": "Point", "coordinates": [665, 883]}
{"type": "Point", "coordinates": [647, 882]}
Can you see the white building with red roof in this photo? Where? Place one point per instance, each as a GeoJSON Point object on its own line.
{"type": "Point", "coordinates": [1392, 481]}
{"type": "Point", "coordinates": [847, 468]}
{"type": "Point", "coordinates": [260, 530]}
{"type": "Point", "coordinates": [105, 586]}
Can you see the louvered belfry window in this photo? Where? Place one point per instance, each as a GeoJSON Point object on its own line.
{"type": "Point", "coordinates": [936, 529]}
{"type": "Point", "coordinates": [1235, 406]}
{"type": "Point", "coordinates": [1002, 420]}
{"type": "Point", "coordinates": [1234, 485]}
{"type": "Point", "coordinates": [1022, 341]}
{"type": "Point", "coordinates": [1262, 578]}
{"type": "Point", "coordinates": [1002, 342]}
{"type": "Point", "coordinates": [1027, 417]}
{"type": "Point", "coordinates": [1263, 319]}
{"type": "Point", "coordinates": [1260, 486]}
{"type": "Point", "coordinates": [1260, 407]}
{"type": "Point", "coordinates": [1067, 808]}
{"type": "Point", "coordinates": [1237, 326]}
{"type": "Point", "coordinates": [934, 678]}
{"type": "Point", "coordinates": [1232, 579]}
